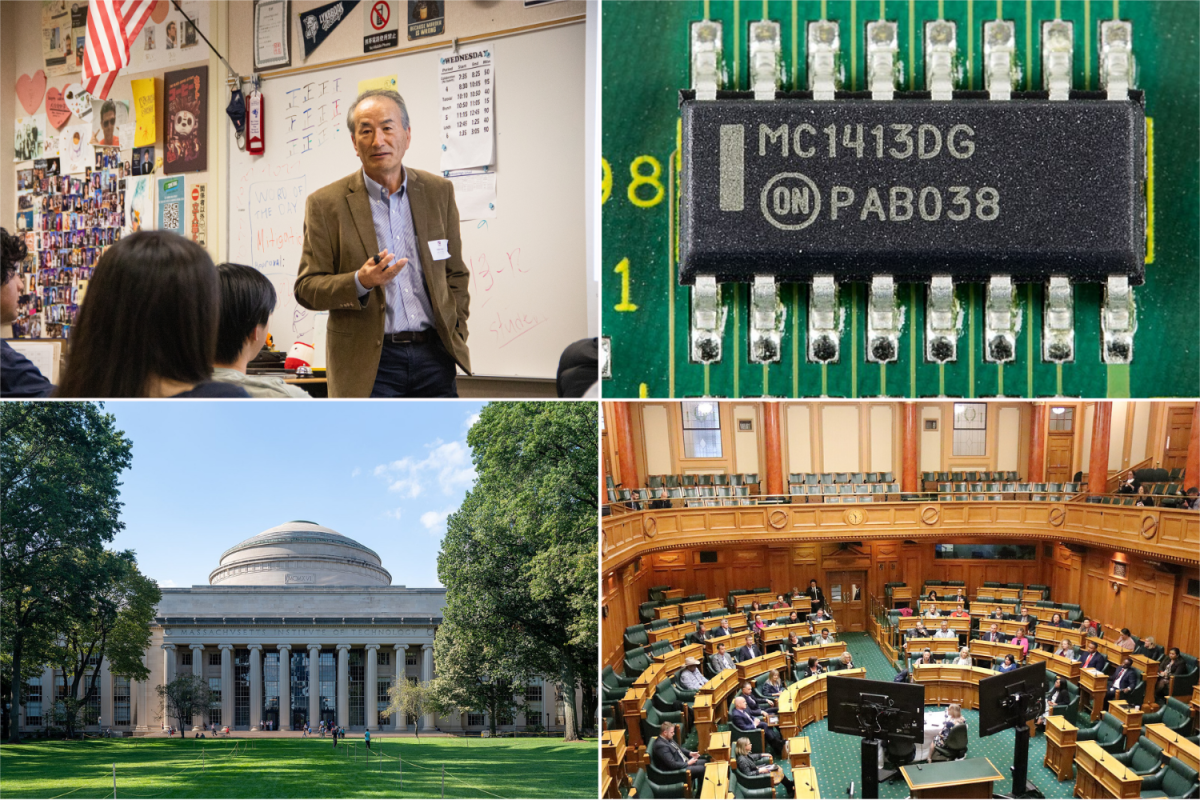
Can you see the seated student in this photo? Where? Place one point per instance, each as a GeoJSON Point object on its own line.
{"type": "Point", "coordinates": [1124, 679]}
{"type": "Point", "coordinates": [1126, 640]}
{"type": "Point", "coordinates": [1021, 640]}
{"type": "Point", "coordinates": [772, 686]}
{"type": "Point", "coordinates": [826, 637]}
{"type": "Point", "coordinates": [18, 376]}
{"type": "Point", "coordinates": [748, 651]}
{"type": "Point", "coordinates": [1009, 664]}
{"type": "Point", "coordinates": [740, 718]}
{"type": "Point", "coordinates": [944, 632]}
{"type": "Point", "coordinates": [700, 636]}
{"type": "Point", "coordinates": [691, 677]}
{"type": "Point", "coordinates": [993, 634]}
{"type": "Point", "coordinates": [668, 756]}
{"type": "Point", "coordinates": [247, 300]}
{"type": "Point", "coordinates": [1058, 622]}
{"type": "Point", "coordinates": [148, 326]}
{"type": "Point", "coordinates": [1093, 659]}
{"type": "Point", "coordinates": [721, 660]}
{"type": "Point", "coordinates": [780, 602]}
{"type": "Point", "coordinates": [751, 764]}
{"type": "Point", "coordinates": [959, 612]}
{"type": "Point", "coordinates": [1172, 664]}
{"type": "Point", "coordinates": [919, 632]}
{"type": "Point", "coordinates": [1065, 649]}
{"type": "Point", "coordinates": [963, 659]}
{"type": "Point", "coordinates": [1144, 498]}
{"type": "Point", "coordinates": [814, 668]}
{"type": "Point", "coordinates": [954, 718]}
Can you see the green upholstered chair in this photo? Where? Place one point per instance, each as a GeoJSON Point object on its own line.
{"type": "Point", "coordinates": [1135, 696]}
{"type": "Point", "coordinates": [1174, 713]}
{"type": "Point", "coordinates": [1176, 779]}
{"type": "Point", "coordinates": [636, 661]}
{"type": "Point", "coordinates": [635, 637]}
{"type": "Point", "coordinates": [666, 698]}
{"type": "Point", "coordinates": [955, 746]}
{"type": "Point", "coordinates": [611, 679]}
{"type": "Point", "coordinates": [646, 610]}
{"type": "Point", "coordinates": [651, 782]}
{"type": "Point", "coordinates": [749, 786]}
{"type": "Point", "coordinates": [653, 720]}
{"type": "Point", "coordinates": [1182, 683]}
{"type": "Point", "coordinates": [1069, 710]}
{"type": "Point", "coordinates": [1144, 758]}
{"type": "Point", "coordinates": [1107, 732]}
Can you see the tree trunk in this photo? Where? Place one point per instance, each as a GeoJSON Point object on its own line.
{"type": "Point", "coordinates": [14, 719]}
{"type": "Point", "coordinates": [570, 728]}
{"type": "Point", "coordinates": [589, 705]}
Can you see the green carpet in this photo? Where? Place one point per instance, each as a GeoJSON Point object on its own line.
{"type": "Point", "coordinates": [837, 758]}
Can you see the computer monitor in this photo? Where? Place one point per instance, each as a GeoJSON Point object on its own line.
{"type": "Point", "coordinates": [1011, 698]}
{"type": "Point", "coordinates": [873, 709]}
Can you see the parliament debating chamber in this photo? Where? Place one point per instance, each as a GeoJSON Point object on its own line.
{"type": "Point", "coordinates": [754, 555]}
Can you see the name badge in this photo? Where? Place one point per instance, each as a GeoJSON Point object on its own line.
{"type": "Point", "coordinates": [440, 249]}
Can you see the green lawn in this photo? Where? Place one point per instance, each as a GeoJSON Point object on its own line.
{"type": "Point", "coordinates": [503, 768]}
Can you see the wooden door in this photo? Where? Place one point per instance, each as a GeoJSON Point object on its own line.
{"type": "Point", "coordinates": [1179, 431]}
{"type": "Point", "coordinates": [846, 591]}
{"type": "Point", "coordinates": [1059, 447]}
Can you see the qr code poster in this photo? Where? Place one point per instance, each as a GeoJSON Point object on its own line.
{"type": "Point", "coordinates": [171, 205]}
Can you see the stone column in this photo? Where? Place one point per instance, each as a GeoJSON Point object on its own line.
{"type": "Point", "coordinates": [1101, 436]}
{"type": "Point", "coordinates": [910, 474]}
{"type": "Point", "coordinates": [198, 671]}
{"type": "Point", "coordinates": [371, 690]}
{"type": "Point", "coordinates": [168, 663]}
{"type": "Point", "coordinates": [256, 687]}
{"type": "Point", "coordinates": [285, 687]}
{"type": "Point", "coordinates": [314, 685]}
{"type": "Point", "coordinates": [226, 685]}
{"type": "Point", "coordinates": [139, 707]}
{"type": "Point", "coordinates": [343, 685]}
{"type": "Point", "coordinates": [626, 459]}
{"type": "Point", "coordinates": [105, 687]}
{"type": "Point", "coordinates": [774, 449]}
{"type": "Point", "coordinates": [400, 722]}
{"type": "Point", "coordinates": [426, 676]}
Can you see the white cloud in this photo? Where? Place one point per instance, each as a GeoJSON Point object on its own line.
{"type": "Point", "coordinates": [469, 421]}
{"type": "Point", "coordinates": [394, 513]}
{"type": "Point", "coordinates": [167, 584]}
{"type": "Point", "coordinates": [406, 487]}
{"type": "Point", "coordinates": [356, 472]}
{"type": "Point", "coordinates": [448, 464]}
{"type": "Point", "coordinates": [435, 521]}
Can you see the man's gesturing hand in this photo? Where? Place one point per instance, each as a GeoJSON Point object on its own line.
{"type": "Point", "coordinates": [372, 274]}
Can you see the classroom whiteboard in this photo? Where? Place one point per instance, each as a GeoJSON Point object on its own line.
{"type": "Point", "coordinates": [528, 265]}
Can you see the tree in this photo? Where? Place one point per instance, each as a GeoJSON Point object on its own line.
{"type": "Point", "coordinates": [472, 676]}
{"type": "Point", "coordinates": [116, 627]}
{"type": "Point", "coordinates": [59, 501]}
{"type": "Point", "coordinates": [185, 697]}
{"type": "Point", "coordinates": [413, 698]}
{"type": "Point", "coordinates": [519, 557]}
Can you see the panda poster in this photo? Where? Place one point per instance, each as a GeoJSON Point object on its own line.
{"type": "Point", "coordinates": [186, 123]}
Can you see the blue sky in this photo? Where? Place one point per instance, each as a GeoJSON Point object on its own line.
{"type": "Point", "coordinates": [206, 476]}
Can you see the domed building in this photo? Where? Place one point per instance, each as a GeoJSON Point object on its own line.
{"type": "Point", "coordinates": [299, 623]}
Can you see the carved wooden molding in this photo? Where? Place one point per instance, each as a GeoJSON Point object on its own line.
{"type": "Point", "coordinates": [777, 519]}
{"type": "Point", "coordinates": [1149, 526]}
{"type": "Point", "coordinates": [854, 516]}
{"type": "Point", "coordinates": [650, 526]}
{"type": "Point", "coordinates": [1058, 515]}
{"type": "Point", "coordinates": [930, 515]}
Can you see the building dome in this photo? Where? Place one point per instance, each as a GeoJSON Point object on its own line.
{"type": "Point", "coordinates": [300, 553]}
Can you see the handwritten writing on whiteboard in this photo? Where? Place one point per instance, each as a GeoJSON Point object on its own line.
{"type": "Point", "coordinates": [313, 115]}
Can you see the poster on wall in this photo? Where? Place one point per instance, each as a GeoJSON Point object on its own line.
{"type": "Point", "coordinates": [381, 25]}
{"type": "Point", "coordinates": [186, 125]}
{"type": "Point", "coordinates": [272, 34]}
{"type": "Point", "coordinates": [317, 24]}
{"type": "Point", "coordinates": [468, 83]}
{"type": "Point", "coordinates": [168, 40]}
{"type": "Point", "coordinates": [426, 18]}
{"type": "Point", "coordinates": [59, 35]}
{"type": "Point", "coordinates": [170, 205]}
{"type": "Point", "coordinates": [109, 117]}
{"type": "Point", "coordinates": [74, 148]}
{"type": "Point", "coordinates": [197, 227]}
{"type": "Point", "coordinates": [29, 139]}
{"type": "Point", "coordinates": [139, 204]}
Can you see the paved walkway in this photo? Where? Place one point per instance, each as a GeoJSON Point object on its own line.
{"type": "Point", "coordinates": [300, 735]}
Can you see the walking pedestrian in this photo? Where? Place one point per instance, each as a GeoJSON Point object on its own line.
{"type": "Point", "coordinates": [367, 738]}
{"type": "Point", "coordinates": [335, 735]}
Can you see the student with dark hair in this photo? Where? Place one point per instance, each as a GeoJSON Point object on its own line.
{"type": "Point", "coordinates": [247, 300]}
{"type": "Point", "coordinates": [18, 376]}
{"type": "Point", "coordinates": [148, 327]}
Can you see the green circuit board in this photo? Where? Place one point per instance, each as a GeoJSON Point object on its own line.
{"type": "Point", "coordinates": [646, 312]}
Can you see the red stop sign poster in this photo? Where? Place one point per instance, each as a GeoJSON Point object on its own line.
{"type": "Point", "coordinates": [381, 26]}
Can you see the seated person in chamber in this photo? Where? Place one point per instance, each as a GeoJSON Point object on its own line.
{"type": "Point", "coordinates": [1008, 665]}
{"type": "Point", "coordinates": [964, 658]}
{"type": "Point", "coordinates": [759, 624]}
{"type": "Point", "coordinates": [1027, 619]}
{"type": "Point", "coordinates": [780, 602]}
{"type": "Point", "coordinates": [846, 661]}
{"type": "Point", "coordinates": [919, 632]}
{"type": "Point", "coordinates": [794, 618]}
{"type": "Point", "coordinates": [814, 668]}
{"type": "Point", "coordinates": [18, 375]}
{"type": "Point", "coordinates": [792, 642]}
{"type": "Point", "coordinates": [700, 636]}
{"type": "Point", "coordinates": [750, 764]}
{"type": "Point", "coordinates": [749, 650]}
{"type": "Point", "coordinates": [247, 300]}
{"type": "Point", "coordinates": [1123, 680]}
{"type": "Point", "coordinates": [690, 677]}
{"type": "Point", "coordinates": [721, 659]}
{"type": "Point", "coordinates": [954, 718]}
{"type": "Point", "coordinates": [933, 612]}
{"type": "Point", "coordinates": [740, 717]}
{"type": "Point", "coordinates": [997, 613]}
{"type": "Point", "coordinates": [771, 687]}
{"type": "Point", "coordinates": [1089, 628]}
{"type": "Point", "coordinates": [821, 615]}
{"type": "Point", "coordinates": [662, 501]}
{"type": "Point", "coordinates": [926, 657]}
{"type": "Point", "coordinates": [1092, 658]}
{"type": "Point", "coordinates": [993, 634]}
{"type": "Point", "coordinates": [960, 599]}
{"type": "Point", "coordinates": [1022, 640]}
{"type": "Point", "coordinates": [1172, 664]}
{"type": "Point", "coordinates": [1126, 640]}
{"type": "Point", "coordinates": [755, 607]}
{"type": "Point", "coordinates": [668, 756]}
{"type": "Point", "coordinates": [932, 596]}
{"type": "Point", "coordinates": [1065, 649]}
{"type": "Point", "coordinates": [826, 637]}
{"type": "Point", "coordinates": [167, 350]}
{"type": "Point", "coordinates": [722, 630]}
{"type": "Point", "coordinates": [754, 706]}
{"type": "Point", "coordinates": [944, 632]}
{"type": "Point", "coordinates": [1058, 622]}
{"type": "Point", "coordinates": [398, 325]}
{"type": "Point", "coordinates": [960, 612]}
{"type": "Point", "coordinates": [1057, 696]}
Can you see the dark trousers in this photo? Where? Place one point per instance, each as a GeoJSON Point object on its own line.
{"type": "Point", "coordinates": [415, 370]}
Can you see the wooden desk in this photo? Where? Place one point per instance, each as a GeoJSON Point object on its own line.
{"type": "Point", "coordinates": [1092, 685]}
{"type": "Point", "coordinates": [1011, 627]}
{"type": "Point", "coordinates": [1149, 669]}
{"type": "Point", "coordinates": [1060, 747]}
{"type": "Point", "coordinates": [673, 660]}
{"type": "Point", "coordinates": [674, 594]}
{"type": "Point", "coordinates": [1174, 745]}
{"type": "Point", "coordinates": [945, 684]}
{"type": "Point", "coordinates": [716, 780]}
{"type": "Point", "coordinates": [804, 702]}
{"type": "Point", "coordinates": [675, 634]}
{"type": "Point", "coordinates": [613, 751]}
{"type": "Point", "coordinates": [1052, 637]}
{"type": "Point", "coordinates": [799, 752]}
{"type": "Point", "coordinates": [960, 625]}
{"type": "Point", "coordinates": [718, 746]}
{"type": "Point", "coordinates": [1195, 704]}
{"type": "Point", "coordinates": [806, 783]}
{"type": "Point", "coordinates": [607, 787]}
{"type": "Point", "coordinates": [1110, 650]}
{"type": "Point", "coordinates": [731, 641]}
{"type": "Point", "coordinates": [1130, 719]}
{"type": "Point", "coordinates": [667, 612]}
{"type": "Point", "coordinates": [1031, 595]}
{"type": "Point", "coordinates": [994, 650]}
{"type": "Point", "coordinates": [971, 777]}
{"type": "Point", "coordinates": [901, 595]}
{"type": "Point", "coordinates": [822, 652]}
{"type": "Point", "coordinates": [1059, 665]}
{"type": "Point", "coordinates": [764, 599]}
{"type": "Point", "coordinates": [913, 647]}
{"type": "Point", "coordinates": [1101, 775]}
{"type": "Point", "coordinates": [710, 705]}
{"type": "Point", "coordinates": [708, 604]}
{"type": "Point", "coordinates": [748, 670]}
{"type": "Point", "coordinates": [802, 604]}
{"type": "Point", "coordinates": [777, 633]}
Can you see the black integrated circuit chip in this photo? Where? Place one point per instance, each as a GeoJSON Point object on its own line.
{"type": "Point", "coordinates": [913, 188]}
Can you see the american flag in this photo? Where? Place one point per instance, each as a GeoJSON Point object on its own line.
{"type": "Point", "coordinates": [112, 27]}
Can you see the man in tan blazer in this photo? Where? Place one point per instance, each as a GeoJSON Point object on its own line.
{"type": "Point", "coordinates": [382, 254]}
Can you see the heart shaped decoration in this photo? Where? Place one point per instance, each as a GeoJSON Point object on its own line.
{"type": "Point", "coordinates": [57, 111]}
{"type": "Point", "coordinates": [30, 90]}
{"type": "Point", "coordinates": [79, 100]}
{"type": "Point", "coordinates": [159, 12]}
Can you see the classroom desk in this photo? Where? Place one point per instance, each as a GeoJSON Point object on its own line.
{"type": "Point", "coordinates": [731, 641]}
{"type": "Point", "coordinates": [711, 705]}
{"type": "Point", "coordinates": [752, 668]}
{"type": "Point", "coordinates": [1092, 685]}
{"type": "Point", "coordinates": [1130, 719]}
{"type": "Point", "coordinates": [913, 647]}
{"type": "Point", "coordinates": [708, 604]}
{"type": "Point", "coordinates": [1059, 665]}
{"type": "Point", "coordinates": [674, 594]}
{"type": "Point", "coordinates": [822, 652]}
{"type": "Point", "coordinates": [806, 783]}
{"type": "Point", "coordinates": [1011, 627]}
{"type": "Point", "coordinates": [945, 684]}
{"type": "Point", "coordinates": [613, 751]}
{"type": "Point", "coordinates": [1060, 747]}
{"type": "Point", "coordinates": [1174, 745]}
{"type": "Point", "coordinates": [804, 702]}
{"type": "Point", "coordinates": [675, 634]}
{"type": "Point", "coordinates": [971, 777]}
{"type": "Point", "coordinates": [673, 660]}
{"type": "Point", "coordinates": [764, 599]}
{"type": "Point", "coordinates": [777, 633]}
{"type": "Point", "coordinates": [718, 745]}
{"type": "Point", "coordinates": [607, 788]}
{"type": "Point", "coordinates": [1101, 775]}
{"type": "Point", "coordinates": [716, 780]}
{"type": "Point", "coordinates": [799, 752]}
{"type": "Point", "coordinates": [945, 606]}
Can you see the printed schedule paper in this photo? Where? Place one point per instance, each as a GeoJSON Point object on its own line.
{"type": "Point", "coordinates": [468, 81]}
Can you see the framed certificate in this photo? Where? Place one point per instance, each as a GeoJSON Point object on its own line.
{"type": "Point", "coordinates": [272, 34]}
